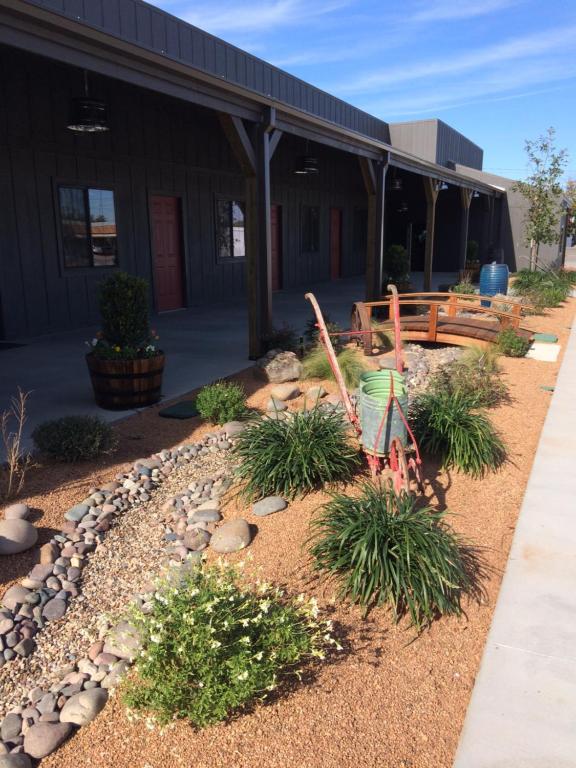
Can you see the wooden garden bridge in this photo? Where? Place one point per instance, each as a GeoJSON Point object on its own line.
{"type": "Point", "coordinates": [446, 318]}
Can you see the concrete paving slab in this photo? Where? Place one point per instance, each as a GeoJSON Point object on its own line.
{"type": "Point", "coordinates": [522, 713]}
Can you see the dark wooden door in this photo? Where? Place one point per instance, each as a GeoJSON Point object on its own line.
{"type": "Point", "coordinates": [276, 236]}
{"type": "Point", "coordinates": [335, 243]}
{"type": "Point", "coordinates": [167, 252]}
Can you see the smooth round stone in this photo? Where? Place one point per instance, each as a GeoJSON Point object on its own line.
{"type": "Point", "coordinates": [15, 761]}
{"type": "Point", "coordinates": [269, 505]}
{"type": "Point", "coordinates": [82, 708]}
{"type": "Point", "coordinates": [17, 512]}
{"type": "Point", "coordinates": [11, 727]}
{"type": "Point", "coordinates": [231, 536]}
{"type": "Point", "coordinates": [233, 428]}
{"type": "Point", "coordinates": [276, 405]}
{"type": "Point", "coordinates": [14, 596]}
{"type": "Point", "coordinates": [41, 572]}
{"type": "Point", "coordinates": [206, 516]}
{"type": "Point", "coordinates": [6, 625]}
{"type": "Point", "coordinates": [76, 513]}
{"type": "Point", "coordinates": [16, 536]}
{"type": "Point", "coordinates": [25, 647]}
{"type": "Point", "coordinates": [44, 738]}
{"type": "Point", "coordinates": [123, 641]}
{"type": "Point", "coordinates": [196, 540]}
{"type": "Point", "coordinates": [49, 552]}
{"type": "Point", "coordinates": [313, 394]}
{"type": "Point", "coordinates": [286, 391]}
{"type": "Point", "coordinates": [54, 609]}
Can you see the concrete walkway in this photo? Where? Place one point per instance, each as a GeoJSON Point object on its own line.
{"type": "Point", "coordinates": [523, 708]}
{"type": "Point", "coordinates": [201, 345]}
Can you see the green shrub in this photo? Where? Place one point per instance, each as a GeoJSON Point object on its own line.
{"type": "Point", "coordinates": [352, 366]}
{"type": "Point", "coordinates": [396, 266]}
{"type": "Point", "coordinates": [476, 375]}
{"type": "Point", "coordinates": [123, 303]}
{"type": "Point", "coordinates": [512, 344]}
{"type": "Point", "coordinates": [466, 288]}
{"type": "Point", "coordinates": [447, 424]}
{"type": "Point", "coordinates": [311, 334]}
{"type": "Point", "coordinates": [74, 438]}
{"type": "Point", "coordinates": [212, 646]}
{"type": "Point", "coordinates": [222, 401]}
{"type": "Point", "coordinates": [381, 548]}
{"type": "Point", "coordinates": [284, 338]}
{"type": "Point", "coordinates": [293, 456]}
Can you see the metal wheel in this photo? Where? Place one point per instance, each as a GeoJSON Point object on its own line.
{"type": "Point", "coordinates": [399, 466]}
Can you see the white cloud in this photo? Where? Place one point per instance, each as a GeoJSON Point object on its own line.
{"type": "Point", "coordinates": [526, 48]}
{"type": "Point", "coordinates": [233, 17]}
{"type": "Point", "coordinates": [447, 10]}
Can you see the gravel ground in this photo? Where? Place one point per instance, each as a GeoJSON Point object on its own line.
{"type": "Point", "coordinates": [388, 702]}
{"type": "Point", "coordinates": [131, 556]}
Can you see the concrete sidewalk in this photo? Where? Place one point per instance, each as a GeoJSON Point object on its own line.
{"type": "Point", "coordinates": [201, 344]}
{"type": "Point", "coordinates": [523, 708]}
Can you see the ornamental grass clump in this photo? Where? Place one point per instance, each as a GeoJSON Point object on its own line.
{"type": "Point", "coordinates": [212, 645]}
{"type": "Point", "coordinates": [476, 375]}
{"type": "Point", "coordinates": [543, 288]}
{"type": "Point", "coordinates": [291, 457]}
{"type": "Point", "coordinates": [383, 549]}
{"type": "Point", "coordinates": [449, 425]}
{"type": "Point", "coordinates": [222, 401]}
{"type": "Point", "coordinates": [316, 366]}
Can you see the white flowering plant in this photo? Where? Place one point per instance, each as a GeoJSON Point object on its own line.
{"type": "Point", "coordinates": [213, 644]}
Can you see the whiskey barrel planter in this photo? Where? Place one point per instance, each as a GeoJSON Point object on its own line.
{"type": "Point", "coordinates": [120, 385]}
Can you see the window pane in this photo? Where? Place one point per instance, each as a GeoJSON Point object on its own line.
{"type": "Point", "coordinates": [223, 235]}
{"type": "Point", "coordinates": [103, 227]}
{"type": "Point", "coordinates": [74, 228]}
{"type": "Point", "coordinates": [238, 238]}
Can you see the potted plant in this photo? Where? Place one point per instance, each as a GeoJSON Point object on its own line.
{"type": "Point", "coordinates": [124, 363]}
{"type": "Point", "coordinates": [397, 269]}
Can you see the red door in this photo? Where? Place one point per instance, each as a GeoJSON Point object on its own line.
{"type": "Point", "coordinates": [167, 252]}
{"type": "Point", "coordinates": [335, 243]}
{"type": "Point", "coordinates": [276, 233]}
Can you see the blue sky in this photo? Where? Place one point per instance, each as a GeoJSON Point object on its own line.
{"type": "Point", "coordinates": [500, 71]}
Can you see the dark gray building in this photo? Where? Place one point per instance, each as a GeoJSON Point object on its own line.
{"type": "Point", "coordinates": [215, 174]}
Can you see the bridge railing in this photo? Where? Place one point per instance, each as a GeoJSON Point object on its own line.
{"type": "Point", "coordinates": [450, 303]}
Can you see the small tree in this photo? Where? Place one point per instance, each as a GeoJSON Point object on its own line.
{"type": "Point", "coordinates": [570, 195]}
{"type": "Point", "coordinates": [543, 191]}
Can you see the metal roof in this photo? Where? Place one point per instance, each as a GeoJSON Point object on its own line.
{"type": "Point", "coordinates": [165, 43]}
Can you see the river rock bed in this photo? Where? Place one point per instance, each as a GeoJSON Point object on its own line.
{"type": "Point", "coordinates": [35, 689]}
{"type": "Point", "coordinates": [423, 362]}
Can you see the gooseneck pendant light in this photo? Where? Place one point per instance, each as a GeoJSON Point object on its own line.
{"type": "Point", "coordinates": [88, 115]}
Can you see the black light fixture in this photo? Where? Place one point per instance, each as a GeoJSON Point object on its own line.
{"type": "Point", "coordinates": [442, 186]}
{"type": "Point", "coordinates": [476, 193]}
{"type": "Point", "coordinates": [396, 185]}
{"type": "Point", "coordinates": [403, 207]}
{"type": "Point", "coordinates": [88, 115]}
{"type": "Point", "coordinates": [306, 164]}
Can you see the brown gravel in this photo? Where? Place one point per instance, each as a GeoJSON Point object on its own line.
{"type": "Point", "coordinates": [388, 702]}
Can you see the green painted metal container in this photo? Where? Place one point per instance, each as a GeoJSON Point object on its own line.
{"type": "Point", "coordinates": [373, 397]}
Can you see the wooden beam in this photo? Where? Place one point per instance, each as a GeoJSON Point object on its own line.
{"type": "Point", "coordinates": [374, 175]}
{"type": "Point", "coordinates": [465, 200]}
{"type": "Point", "coordinates": [239, 140]}
{"type": "Point", "coordinates": [274, 141]}
{"type": "Point", "coordinates": [431, 187]}
{"type": "Point", "coordinates": [254, 158]}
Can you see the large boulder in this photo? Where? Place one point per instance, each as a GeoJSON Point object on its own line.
{"type": "Point", "coordinates": [16, 536]}
{"type": "Point", "coordinates": [15, 761]}
{"type": "Point", "coordinates": [17, 512]}
{"type": "Point", "coordinates": [278, 366]}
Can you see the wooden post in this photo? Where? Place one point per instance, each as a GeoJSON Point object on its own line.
{"type": "Point", "coordinates": [433, 322]}
{"type": "Point", "coordinates": [374, 175]}
{"type": "Point", "coordinates": [253, 156]}
{"type": "Point", "coordinates": [465, 200]}
{"type": "Point", "coordinates": [431, 188]}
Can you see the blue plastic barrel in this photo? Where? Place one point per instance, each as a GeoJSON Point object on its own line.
{"type": "Point", "coordinates": [493, 280]}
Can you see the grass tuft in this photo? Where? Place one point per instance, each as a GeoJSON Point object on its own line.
{"type": "Point", "coordinates": [316, 366]}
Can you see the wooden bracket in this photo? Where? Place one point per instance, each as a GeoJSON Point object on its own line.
{"type": "Point", "coordinates": [239, 140]}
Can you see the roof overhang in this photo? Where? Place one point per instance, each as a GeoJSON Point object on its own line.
{"type": "Point", "coordinates": [48, 33]}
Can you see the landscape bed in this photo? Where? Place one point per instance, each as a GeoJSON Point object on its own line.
{"type": "Point", "coordinates": [383, 700]}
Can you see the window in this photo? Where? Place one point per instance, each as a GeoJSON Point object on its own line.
{"type": "Point", "coordinates": [88, 221]}
{"type": "Point", "coordinates": [310, 229]}
{"type": "Point", "coordinates": [230, 227]}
